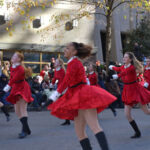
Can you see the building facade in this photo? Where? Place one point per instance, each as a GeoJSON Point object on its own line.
{"type": "Point", "coordinates": [49, 29]}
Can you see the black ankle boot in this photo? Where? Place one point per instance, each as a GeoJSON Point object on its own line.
{"type": "Point", "coordinates": [136, 129]}
{"type": "Point", "coordinates": [67, 122]}
{"type": "Point", "coordinates": [25, 128]}
{"type": "Point", "coordinates": [85, 144]}
{"type": "Point", "coordinates": [102, 140]}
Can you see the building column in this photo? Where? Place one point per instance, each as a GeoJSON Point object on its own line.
{"type": "Point", "coordinates": [97, 40]}
{"type": "Point", "coordinates": [116, 52]}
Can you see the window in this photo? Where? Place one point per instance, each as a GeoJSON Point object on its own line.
{"type": "Point", "coordinates": [46, 57]}
{"type": "Point", "coordinates": [34, 57]}
{"type": "Point", "coordinates": [7, 55]}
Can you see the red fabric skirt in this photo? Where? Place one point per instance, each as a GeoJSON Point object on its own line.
{"type": "Point", "coordinates": [135, 93]}
{"type": "Point", "coordinates": [81, 97]}
{"type": "Point", "coordinates": [20, 90]}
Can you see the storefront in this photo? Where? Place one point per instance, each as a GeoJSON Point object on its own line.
{"type": "Point", "coordinates": [35, 56]}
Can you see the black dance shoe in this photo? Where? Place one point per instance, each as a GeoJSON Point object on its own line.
{"type": "Point", "coordinates": [136, 135]}
{"type": "Point", "coordinates": [22, 135]}
{"type": "Point", "coordinates": [7, 118]}
{"type": "Point", "coordinates": [67, 122]}
{"type": "Point", "coordinates": [115, 113]}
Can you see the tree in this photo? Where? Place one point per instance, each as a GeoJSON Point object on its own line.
{"type": "Point", "coordinates": [141, 36]}
{"type": "Point", "coordinates": [103, 7]}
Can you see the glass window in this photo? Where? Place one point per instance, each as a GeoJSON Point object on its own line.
{"type": "Point", "coordinates": [33, 57]}
{"type": "Point", "coordinates": [46, 57]}
{"type": "Point", "coordinates": [7, 55]}
{"type": "Point", "coordinates": [35, 67]}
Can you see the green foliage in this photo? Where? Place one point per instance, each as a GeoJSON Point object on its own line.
{"type": "Point", "coordinates": [141, 35]}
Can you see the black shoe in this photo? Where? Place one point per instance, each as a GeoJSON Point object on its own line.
{"type": "Point", "coordinates": [25, 126]}
{"type": "Point", "coordinates": [101, 138]}
{"type": "Point", "coordinates": [85, 144]}
{"type": "Point", "coordinates": [22, 135]}
{"type": "Point", "coordinates": [136, 135]}
{"type": "Point", "coordinates": [136, 129]}
{"type": "Point", "coordinates": [67, 122]}
{"type": "Point", "coordinates": [115, 113]}
{"type": "Point", "coordinates": [7, 118]}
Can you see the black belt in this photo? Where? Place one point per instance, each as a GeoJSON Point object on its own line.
{"type": "Point", "coordinates": [19, 81]}
{"type": "Point", "coordinates": [130, 82]}
{"type": "Point", "coordinates": [78, 84]}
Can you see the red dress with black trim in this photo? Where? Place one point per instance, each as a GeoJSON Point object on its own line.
{"type": "Point", "coordinates": [58, 75]}
{"type": "Point", "coordinates": [19, 87]}
{"type": "Point", "coordinates": [79, 95]}
{"type": "Point", "coordinates": [93, 78]}
{"type": "Point", "coordinates": [147, 76]}
{"type": "Point", "coordinates": [133, 92]}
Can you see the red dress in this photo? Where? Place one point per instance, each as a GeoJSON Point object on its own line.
{"type": "Point", "coordinates": [147, 76]}
{"type": "Point", "coordinates": [133, 92]}
{"type": "Point", "coordinates": [19, 87]}
{"type": "Point", "coordinates": [93, 78]}
{"type": "Point", "coordinates": [58, 75]}
{"type": "Point", "coordinates": [140, 79]}
{"type": "Point", "coordinates": [43, 72]}
{"type": "Point", "coordinates": [79, 95]}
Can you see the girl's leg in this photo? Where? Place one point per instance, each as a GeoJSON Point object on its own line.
{"type": "Point", "coordinates": [132, 122]}
{"type": "Point", "coordinates": [17, 109]}
{"type": "Point", "coordinates": [92, 121]}
{"type": "Point", "coordinates": [24, 119]}
{"type": "Point", "coordinates": [80, 125]}
{"type": "Point", "coordinates": [113, 110]}
{"type": "Point", "coordinates": [145, 109]}
{"type": "Point", "coordinates": [67, 122]}
{"type": "Point", "coordinates": [1, 104]}
{"type": "Point", "coordinates": [127, 111]}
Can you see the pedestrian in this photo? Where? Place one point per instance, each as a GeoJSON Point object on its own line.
{"type": "Point", "coordinates": [81, 102]}
{"type": "Point", "coordinates": [133, 93]}
{"type": "Point", "coordinates": [59, 75]}
{"type": "Point", "coordinates": [20, 94]}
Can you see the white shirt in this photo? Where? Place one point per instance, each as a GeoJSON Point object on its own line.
{"type": "Point", "coordinates": [147, 68]}
{"type": "Point", "coordinates": [127, 66]}
{"type": "Point", "coordinates": [58, 68]}
{"type": "Point", "coordinates": [15, 65]}
{"type": "Point", "coordinates": [71, 59]}
{"type": "Point", "coordinates": [91, 72]}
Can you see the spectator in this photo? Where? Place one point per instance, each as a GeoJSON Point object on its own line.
{"type": "Point", "coordinates": [6, 69]}
{"type": "Point", "coordinates": [100, 74]}
{"type": "Point", "coordinates": [112, 87]}
{"type": "Point", "coordinates": [45, 71]}
{"type": "Point", "coordinates": [46, 86]}
{"type": "Point", "coordinates": [3, 96]}
{"type": "Point", "coordinates": [36, 92]}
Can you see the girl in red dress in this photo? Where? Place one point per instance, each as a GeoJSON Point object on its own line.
{"type": "Point", "coordinates": [20, 94]}
{"type": "Point", "coordinates": [147, 74]}
{"type": "Point", "coordinates": [92, 76]}
{"type": "Point", "coordinates": [59, 75]}
{"type": "Point", "coordinates": [133, 93]}
{"type": "Point", "coordinates": [81, 102]}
